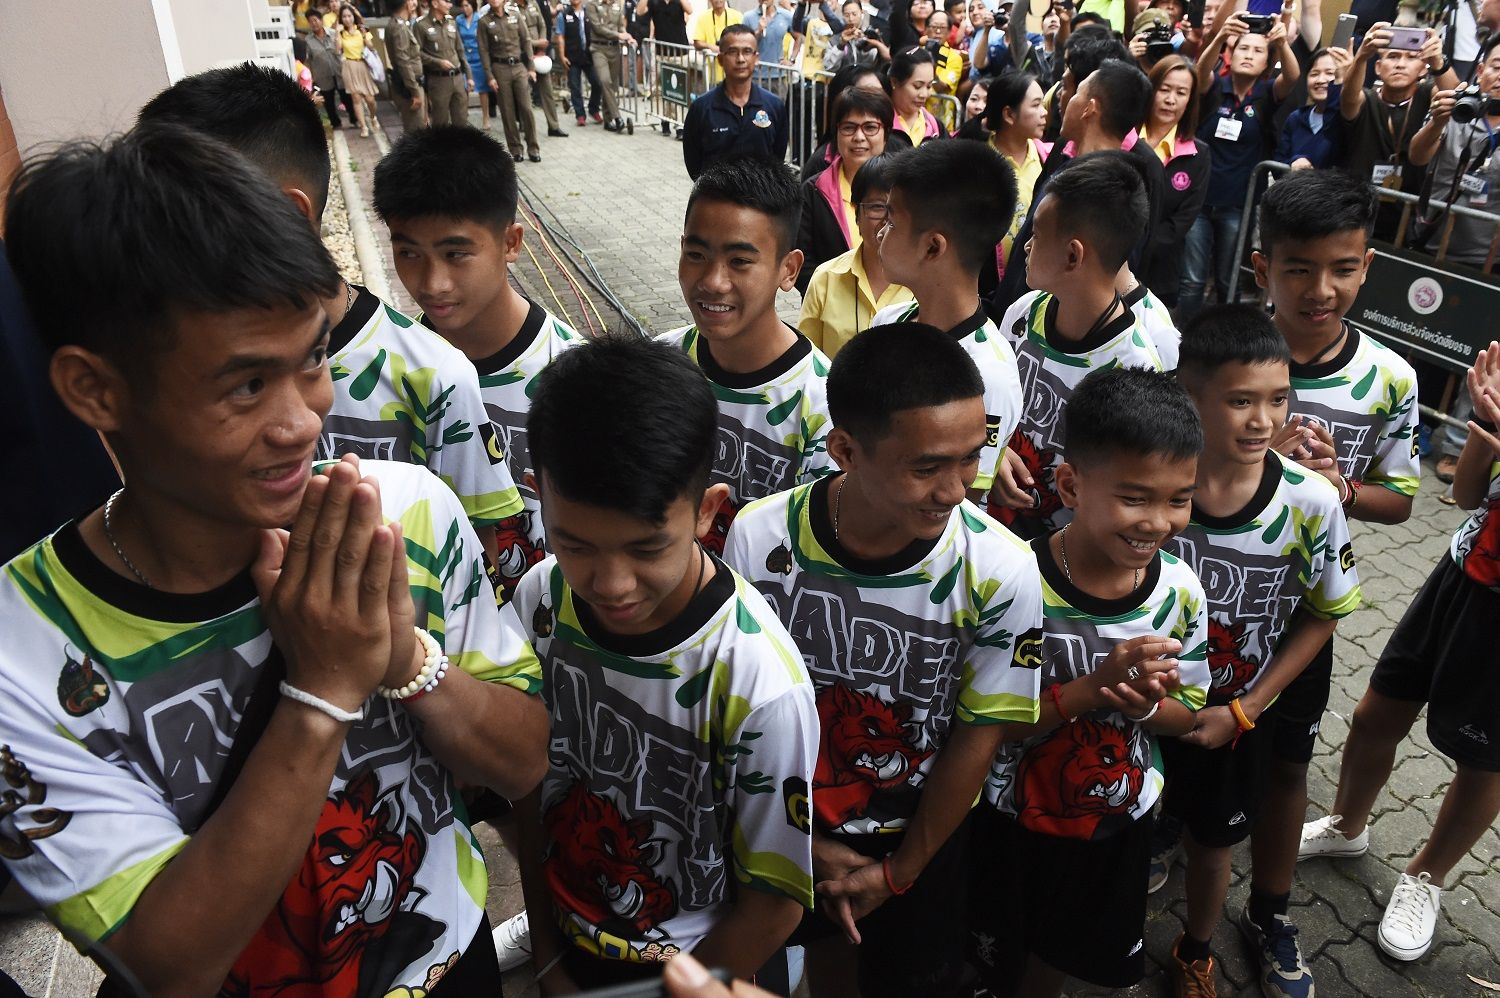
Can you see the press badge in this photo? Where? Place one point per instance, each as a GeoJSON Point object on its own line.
{"type": "Point", "coordinates": [1478, 188]}
{"type": "Point", "coordinates": [1385, 175]}
{"type": "Point", "coordinates": [1228, 128]}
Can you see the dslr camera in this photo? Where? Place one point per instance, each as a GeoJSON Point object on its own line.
{"type": "Point", "coordinates": [1159, 42]}
{"type": "Point", "coordinates": [1258, 24]}
{"type": "Point", "coordinates": [1471, 104]}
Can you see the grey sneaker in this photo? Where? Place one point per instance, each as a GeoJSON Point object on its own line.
{"type": "Point", "coordinates": [1324, 838]}
{"type": "Point", "coordinates": [1283, 972]}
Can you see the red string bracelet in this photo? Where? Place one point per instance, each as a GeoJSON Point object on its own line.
{"type": "Point", "coordinates": [1055, 690]}
{"type": "Point", "coordinates": [885, 868]}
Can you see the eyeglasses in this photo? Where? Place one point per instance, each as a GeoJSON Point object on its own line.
{"type": "Point", "coordinates": [849, 129]}
{"type": "Point", "coordinates": [738, 53]}
{"type": "Point", "coordinates": [876, 210]}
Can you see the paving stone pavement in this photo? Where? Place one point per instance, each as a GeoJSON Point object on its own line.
{"type": "Point", "coordinates": [621, 197]}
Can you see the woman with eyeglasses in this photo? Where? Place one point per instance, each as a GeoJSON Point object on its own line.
{"type": "Point", "coordinates": [862, 123]}
{"type": "Point", "coordinates": [846, 292]}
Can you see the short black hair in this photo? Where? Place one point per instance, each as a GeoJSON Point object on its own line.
{"type": "Point", "coordinates": [649, 414]}
{"type": "Point", "coordinates": [888, 369]}
{"type": "Point", "coordinates": [1086, 51]}
{"type": "Point", "coordinates": [1089, 19]}
{"type": "Point", "coordinates": [965, 190]}
{"type": "Point", "coordinates": [110, 244]}
{"type": "Point", "coordinates": [1312, 204]}
{"type": "Point", "coordinates": [1102, 197]}
{"type": "Point", "coordinates": [1130, 410]}
{"type": "Point", "coordinates": [447, 171]}
{"type": "Point", "coordinates": [261, 112]}
{"type": "Point", "coordinates": [906, 62]}
{"type": "Point", "coordinates": [1005, 93]}
{"type": "Point", "coordinates": [736, 29]}
{"type": "Point", "coordinates": [875, 103]}
{"type": "Point", "coordinates": [873, 175]}
{"type": "Point", "coordinates": [759, 183]}
{"type": "Point", "coordinates": [1486, 47]}
{"type": "Point", "coordinates": [1124, 94]}
{"type": "Point", "coordinates": [1229, 334]}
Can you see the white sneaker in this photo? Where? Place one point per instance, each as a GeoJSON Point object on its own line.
{"type": "Point", "coordinates": [1410, 918]}
{"type": "Point", "coordinates": [1323, 838]}
{"type": "Point", "coordinates": [513, 941]}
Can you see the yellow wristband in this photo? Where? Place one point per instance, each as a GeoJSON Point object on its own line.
{"type": "Point", "coordinates": [1239, 715]}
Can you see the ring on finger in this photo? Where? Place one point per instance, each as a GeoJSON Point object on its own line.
{"type": "Point", "coordinates": [1132, 673]}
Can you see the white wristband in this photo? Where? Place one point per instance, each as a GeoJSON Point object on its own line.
{"type": "Point", "coordinates": [320, 705]}
{"type": "Point", "coordinates": [1146, 716]}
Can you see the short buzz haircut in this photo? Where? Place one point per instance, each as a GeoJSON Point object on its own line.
{"type": "Point", "coordinates": [1124, 94]}
{"type": "Point", "coordinates": [1086, 51]}
{"type": "Point", "coordinates": [112, 244]}
{"type": "Point", "coordinates": [1102, 198]}
{"type": "Point", "coordinates": [891, 368]}
{"type": "Point", "coordinates": [736, 29]}
{"type": "Point", "coordinates": [759, 183]}
{"type": "Point", "coordinates": [651, 413]}
{"type": "Point", "coordinates": [1229, 334]}
{"type": "Point", "coordinates": [260, 111]}
{"type": "Point", "coordinates": [1306, 205]}
{"type": "Point", "coordinates": [965, 190]}
{"type": "Point", "coordinates": [1130, 411]}
{"type": "Point", "coordinates": [447, 171]}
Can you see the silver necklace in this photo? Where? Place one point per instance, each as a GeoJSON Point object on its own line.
{"type": "Point", "coordinates": [109, 534]}
{"type": "Point", "coordinates": [838, 504]}
{"type": "Point", "coordinates": [1062, 542]}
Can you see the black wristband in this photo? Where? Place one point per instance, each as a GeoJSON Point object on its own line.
{"type": "Point", "coordinates": [1484, 424]}
{"type": "Point", "coordinates": [1447, 65]}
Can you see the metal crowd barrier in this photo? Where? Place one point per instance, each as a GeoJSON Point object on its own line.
{"type": "Point", "coordinates": [1419, 302]}
{"type": "Point", "coordinates": [947, 109]}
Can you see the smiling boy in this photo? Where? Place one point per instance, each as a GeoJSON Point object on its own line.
{"type": "Point", "coordinates": [737, 251]}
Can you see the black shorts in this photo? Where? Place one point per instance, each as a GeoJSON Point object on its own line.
{"type": "Point", "coordinates": [914, 943]}
{"type": "Point", "coordinates": [1213, 792]}
{"type": "Point", "coordinates": [1298, 713]}
{"type": "Point", "coordinates": [1443, 653]}
{"type": "Point", "coordinates": [1078, 904]}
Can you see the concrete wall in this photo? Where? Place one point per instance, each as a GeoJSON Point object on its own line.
{"type": "Point", "coordinates": [213, 33]}
{"type": "Point", "coordinates": [82, 70]}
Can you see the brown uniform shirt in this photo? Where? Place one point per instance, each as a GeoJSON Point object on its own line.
{"type": "Point", "coordinates": [439, 40]}
{"type": "Point", "coordinates": [406, 56]}
{"type": "Point", "coordinates": [538, 25]}
{"type": "Point", "coordinates": [503, 35]}
{"type": "Point", "coordinates": [606, 20]}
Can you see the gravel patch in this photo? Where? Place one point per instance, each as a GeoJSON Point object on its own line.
{"type": "Point", "coordinates": [336, 233]}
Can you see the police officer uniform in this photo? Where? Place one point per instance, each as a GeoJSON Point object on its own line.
{"type": "Point", "coordinates": [406, 74]}
{"type": "Point", "coordinates": [505, 54]}
{"type": "Point", "coordinates": [606, 19]}
{"type": "Point", "coordinates": [535, 13]}
{"type": "Point", "coordinates": [447, 88]}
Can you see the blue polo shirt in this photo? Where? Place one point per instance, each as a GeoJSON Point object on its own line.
{"type": "Point", "coordinates": [1234, 155]}
{"type": "Point", "coordinates": [716, 127]}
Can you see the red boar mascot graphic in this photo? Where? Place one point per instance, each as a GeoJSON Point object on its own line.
{"type": "Point", "coordinates": [516, 552]}
{"type": "Point", "coordinates": [343, 925]}
{"type": "Point", "coordinates": [1482, 563]}
{"type": "Point", "coordinates": [1230, 669]}
{"type": "Point", "coordinates": [1038, 462]}
{"type": "Point", "coordinates": [1075, 779]}
{"type": "Point", "coordinates": [601, 865]}
{"type": "Point", "coordinates": [866, 747]}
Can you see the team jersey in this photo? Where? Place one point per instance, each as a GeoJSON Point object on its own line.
{"type": "Point", "coordinates": [403, 393]}
{"type": "Point", "coordinates": [1475, 547]}
{"type": "Point", "coordinates": [1366, 396]}
{"type": "Point", "coordinates": [1051, 368]}
{"type": "Point", "coordinates": [1288, 548]}
{"type": "Point", "coordinates": [773, 424]}
{"type": "Point", "coordinates": [679, 765]}
{"type": "Point", "coordinates": [505, 384]}
{"type": "Point", "coordinates": [1157, 321]}
{"type": "Point", "coordinates": [1089, 779]}
{"type": "Point", "coordinates": [898, 650]}
{"type": "Point", "coordinates": [119, 707]}
{"type": "Point", "coordinates": [981, 339]}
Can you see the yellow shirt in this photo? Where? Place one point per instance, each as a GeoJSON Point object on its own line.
{"type": "Point", "coordinates": [846, 196]}
{"type": "Point", "coordinates": [1163, 149]}
{"type": "Point", "coordinates": [840, 303]}
{"type": "Point", "coordinates": [916, 129]}
{"type": "Point", "coordinates": [1026, 173]}
{"type": "Point", "coordinates": [709, 24]}
{"type": "Point", "coordinates": [353, 43]}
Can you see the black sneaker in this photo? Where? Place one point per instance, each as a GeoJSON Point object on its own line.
{"type": "Point", "coordinates": [556, 133]}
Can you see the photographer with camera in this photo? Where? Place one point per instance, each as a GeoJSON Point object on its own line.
{"type": "Point", "coordinates": [1238, 130]}
{"type": "Point", "coordinates": [858, 44]}
{"type": "Point", "coordinates": [1459, 141]}
{"type": "Point", "coordinates": [1154, 38]}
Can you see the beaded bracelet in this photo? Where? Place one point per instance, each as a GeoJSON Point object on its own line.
{"type": "Point", "coordinates": [434, 668]}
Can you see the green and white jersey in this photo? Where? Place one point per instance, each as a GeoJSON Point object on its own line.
{"type": "Point", "coordinates": [679, 765]}
{"type": "Point", "coordinates": [1157, 321]}
{"type": "Point", "coordinates": [1089, 779]}
{"type": "Point", "coordinates": [118, 708]}
{"type": "Point", "coordinates": [773, 424]}
{"type": "Point", "coordinates": [1366, 396]}
{"type": "Point", "coordinates": [1288, 548]}
{"type": "Point", "coordinates": [1475, 547]}
{"type": "Point", "coordinates": [505, 383]}
{"type": "Point", "coordinates": [900, 649]}
{"type": "Point", "coordinates": [1051, 369]}
{"type": "Point", "coordinates": [403, 393]}
{"type": "Point", "coordinates": [981, 339]}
